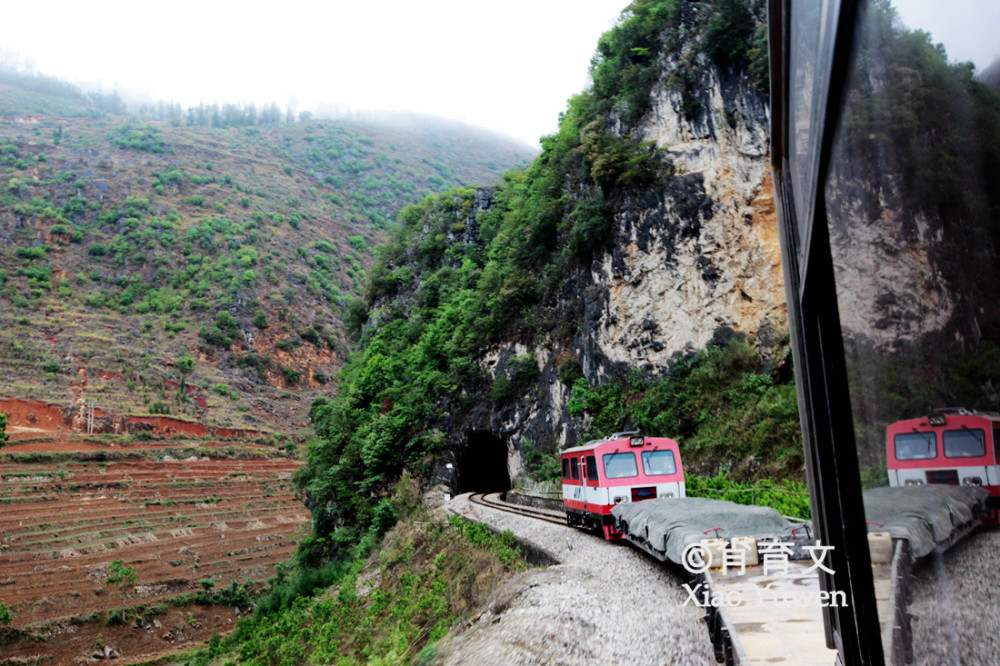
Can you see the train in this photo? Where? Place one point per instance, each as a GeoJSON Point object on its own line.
{"type": "Point", "coordinates": [625, 467]}
{"type": "Point", "coordinates": [947, 446]}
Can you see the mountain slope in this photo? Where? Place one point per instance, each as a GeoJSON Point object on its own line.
{"type": "Point", "coordinates": [196, 271]}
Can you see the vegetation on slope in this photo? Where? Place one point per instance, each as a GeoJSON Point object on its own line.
{"type": "Point", "coordinates": [383, 607]}
{"type": "Point", "coordinates": [469, 268]}
{"type": "Point", "coordinates": [200, 271]}
{"type": "Point", "coordinates": [465, 269]}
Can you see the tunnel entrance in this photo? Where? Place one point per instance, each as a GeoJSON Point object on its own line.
{"type": "Point", "coordinates": [482, 463]}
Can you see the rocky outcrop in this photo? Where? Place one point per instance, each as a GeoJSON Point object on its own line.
{"type": "Point", "coordinates": [701, 254]}
{"type": "Point", "coordinates": [695, 257]}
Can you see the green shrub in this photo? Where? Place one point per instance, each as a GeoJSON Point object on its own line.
{"type": "Point", "coordinates": [147, 139]}
{"type": "Point", "coordinates": [789, 498]}
{"type": "Point", "coordinates": [291, 375]}
{"type": "Point", "coordinates": [6, 617]}
{"type": "Point", "coordinates": [729, 32]}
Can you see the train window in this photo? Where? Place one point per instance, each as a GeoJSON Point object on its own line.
{"type": "Point", "coordinates": [592, 468]}
{"type": "Point", "coordinates": [911, 210]}
{"type": "Point", "coordinates": [916, 446]}
{"type": "Point", "coordinates": [565, 468]}
{"type": "Point", "coordinates": [655, 463]}
{"type": "Point", "coordinates": [885, 151]}
{"type": "Point", "coordinates": [620, 465]}
{"type": "Point", "coordinates": [965, 443]}
{"type": "Point", "coordinates": [574, 468]}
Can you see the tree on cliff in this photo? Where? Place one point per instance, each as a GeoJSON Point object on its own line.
{"type": "Point", "coordinates": [3, 429]}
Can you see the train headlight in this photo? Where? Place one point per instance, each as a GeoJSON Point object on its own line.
{"type": "Point", "coordinates": [662, 495]}
{"type": "Point", "coordinates": [972, 481]}
{"type": "Point", "coordinates": [620, 498]}
{"type": "Point", "coordinates": [914, 482]}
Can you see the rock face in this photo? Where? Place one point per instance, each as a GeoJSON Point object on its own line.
{"type": "Point", "coordinates": [695, 257]}
{"type": "Point", "coordinates": [702, 254]}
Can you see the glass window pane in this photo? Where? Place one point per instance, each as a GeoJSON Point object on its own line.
{"type": "Point", "coordinates": [916, 446]}
{"type": "Point", "coordinates": [655, 463]}
{"type": "Point", "coordinates": [966, 443]}
{"type": "Point", "coordinates": [574, 467]}
{"type": "Point", "coordinates": [806, 98]}
{"type": "Point", "coordinates": [592, 468]}
{"type": "Point", "coordinates": [620, 465]}
{"type": "Point", "coordinates": [913, 209]}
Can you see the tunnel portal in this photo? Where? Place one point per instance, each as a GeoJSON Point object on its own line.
{"type": "Point", "coordinates": [482, 464]}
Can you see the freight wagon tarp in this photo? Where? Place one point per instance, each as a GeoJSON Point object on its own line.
{"type": "Point", "coordinates": [668, 525]}
{"type": "Point", "coordinates": [930, 516]}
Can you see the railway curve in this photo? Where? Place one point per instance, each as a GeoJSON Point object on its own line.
{"type": "Point", "coordinates": [600, 603]}
{"type": "Point", "coordinates": [494, 501]}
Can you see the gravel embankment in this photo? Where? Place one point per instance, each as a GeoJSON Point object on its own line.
{"type": "Point", "coordinates": [956, 604]}
{"type": "Point", "coordinates": [603, 603]}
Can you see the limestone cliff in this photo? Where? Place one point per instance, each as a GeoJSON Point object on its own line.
{"type": "Point", "coordinates": [695, 257]}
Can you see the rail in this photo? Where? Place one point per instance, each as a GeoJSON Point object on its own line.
{"type": "Point", "coordinates": [493, 501]}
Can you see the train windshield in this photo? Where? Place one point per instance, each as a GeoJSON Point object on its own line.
{"type": "Point", "coordinates": [620, 465]}
{"type": "Point", "coordinates": [657, 463]}
{"type": "Point", "coordinates": [965, 443]}
{"type": "Point", "coordinates": [916, 446]}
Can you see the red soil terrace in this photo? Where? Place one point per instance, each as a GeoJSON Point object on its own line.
{"type": "Point", "coordinates": [71, 504]}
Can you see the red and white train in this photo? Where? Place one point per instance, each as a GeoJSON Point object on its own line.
{"type": "Point", "coordinates": [955, 447]}
{"type": "Point", "coordinates": [626, 467]}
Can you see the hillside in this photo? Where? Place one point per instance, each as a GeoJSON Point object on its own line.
{"type": "Point", "coordinates": [161, 267]}
{"type": "Point", "coordinates": [629, 278]}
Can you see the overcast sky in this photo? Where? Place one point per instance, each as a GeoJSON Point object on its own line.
{"type": "Point", "coordinates": [508, 66]}
{"type": "Point", "coordinates": [969, 29]}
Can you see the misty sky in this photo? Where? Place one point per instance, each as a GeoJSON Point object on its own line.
{"type": "Point", "coordinates": [509, 66]}
{"type": "Point", "coordinates": [968, 29]}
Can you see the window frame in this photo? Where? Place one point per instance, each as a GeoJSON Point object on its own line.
{"type": "Point", "coordinates": [832, 468]}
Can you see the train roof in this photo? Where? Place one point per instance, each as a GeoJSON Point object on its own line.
{"type": "Point", "coordinates": [617, 437]}
{"type": "Point", "coordinates": [940, 417]}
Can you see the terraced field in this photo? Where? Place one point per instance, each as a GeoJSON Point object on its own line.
{"type": "Point", "coordinates": [71, 506]}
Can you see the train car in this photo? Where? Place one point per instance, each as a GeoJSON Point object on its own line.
{"type": "Point", "coordinates": [954, 447]}
{"type": "Point", "coordinates": [626, 467]}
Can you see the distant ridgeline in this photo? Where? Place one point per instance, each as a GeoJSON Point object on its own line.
{"type": "Point", "coordinates": [630, 277]}
{"type": "Point", "coordinates": [200, 265]}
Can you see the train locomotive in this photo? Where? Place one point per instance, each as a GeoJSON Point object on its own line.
{"type": "Point", "coordinates": [948, 446]}
{"type": "Point", "coordinates": [625, 467]}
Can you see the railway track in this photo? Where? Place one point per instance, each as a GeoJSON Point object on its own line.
{"type": "Point", "coordinates": [493, 501]}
